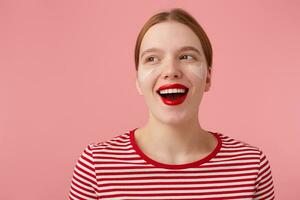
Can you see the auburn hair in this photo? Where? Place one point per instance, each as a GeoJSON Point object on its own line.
{"type": "Point", "coordinates": [181, 16]}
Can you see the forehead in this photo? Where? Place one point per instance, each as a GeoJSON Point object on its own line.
{"type": "Point", "coordinates": [170, 36]}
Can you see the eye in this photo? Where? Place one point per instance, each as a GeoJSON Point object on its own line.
{"type": "Point", "coordinates": [150, 59]}
{"type": "Point", "coordinates": [186, 57]}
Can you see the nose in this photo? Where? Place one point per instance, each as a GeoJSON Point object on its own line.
{"type": "Point", "coordinates": [171, 70]}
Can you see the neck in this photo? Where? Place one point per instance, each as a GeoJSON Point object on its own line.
{"type": "Point", "coordinates": [174, 139]}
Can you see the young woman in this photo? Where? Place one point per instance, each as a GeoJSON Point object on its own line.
{"type": "Point", "coordinates": [172, 156]}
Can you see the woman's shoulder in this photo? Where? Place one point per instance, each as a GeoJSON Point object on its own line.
{"type": "Point", "coordinates": [233, 143]}
{"type": "Point", "coordinates": [233, 148]}
{"type": "Point", "coordinates": [116, 141]}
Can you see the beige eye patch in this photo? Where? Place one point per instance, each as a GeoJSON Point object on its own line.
{"type": "Point", "coordinates": [199, 71]}
{"type": "Point", "coordinates": [144, 73]}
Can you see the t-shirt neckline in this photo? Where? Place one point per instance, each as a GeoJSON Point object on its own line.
{"type": "Point", "coordinates": [196, 163]}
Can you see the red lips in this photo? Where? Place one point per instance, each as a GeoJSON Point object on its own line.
{"type": "Point", "coordinates": [172, 86]}
{"type": "Point", "coordinates": [178, 100]}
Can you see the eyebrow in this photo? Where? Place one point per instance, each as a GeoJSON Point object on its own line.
{"type": "Point", "coordinates": [185, 48]}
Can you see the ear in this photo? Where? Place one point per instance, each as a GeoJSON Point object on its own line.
{"type": "Point", "coordinates": [208, 79]}
{"type": "Point", "coordinates": [138, 86]}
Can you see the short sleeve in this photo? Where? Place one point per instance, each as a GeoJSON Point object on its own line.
{"type": "Point", "coordinates": [264, 182]}
{"type": "Point", "coordinates": [84, 183]}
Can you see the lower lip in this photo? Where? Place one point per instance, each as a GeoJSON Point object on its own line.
{"type": "Point", "coordinates": [173, 102]}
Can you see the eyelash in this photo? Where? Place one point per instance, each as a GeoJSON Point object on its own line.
{"type": "Point", "coordinates": [187, 55]}
{"type": "Point", "coordinates": [147, 59]}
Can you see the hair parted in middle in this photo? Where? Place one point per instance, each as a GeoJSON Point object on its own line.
{"type": "Point", "coordinates": [181, 16]}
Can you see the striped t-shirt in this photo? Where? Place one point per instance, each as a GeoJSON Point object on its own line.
{"type": "Point", "coordinates": [118, 169]}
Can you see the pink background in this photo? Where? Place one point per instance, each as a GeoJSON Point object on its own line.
{"type": "Point", "coordinates": [67, 79]}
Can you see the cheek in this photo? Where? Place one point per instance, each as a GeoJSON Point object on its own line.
{"type": "Point", "coordinates": [197, 70]}
{"type": "Point", "coordinates": [147, 76]}
{"type": "Point", "coordinates": [144, 74]}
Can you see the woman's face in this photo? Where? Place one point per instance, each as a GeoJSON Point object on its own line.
{"type": "Point", "coordinates": [172, 72]}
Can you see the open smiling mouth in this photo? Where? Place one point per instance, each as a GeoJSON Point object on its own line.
{"type": "Point", "coordinates": [173, 94]}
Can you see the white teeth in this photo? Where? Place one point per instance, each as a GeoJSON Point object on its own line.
{"type": "Point", "coordinates": [171, 91]}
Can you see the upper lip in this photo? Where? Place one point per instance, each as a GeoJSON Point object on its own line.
{"type": "Point", "coordinates": [172, 86]}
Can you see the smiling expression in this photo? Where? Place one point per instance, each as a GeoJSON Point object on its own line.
{"type": "Point", "coordinates": [171, 53]}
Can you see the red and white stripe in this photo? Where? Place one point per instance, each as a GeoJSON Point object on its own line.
{"type": "Point", "coordinates": [118, 169]}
